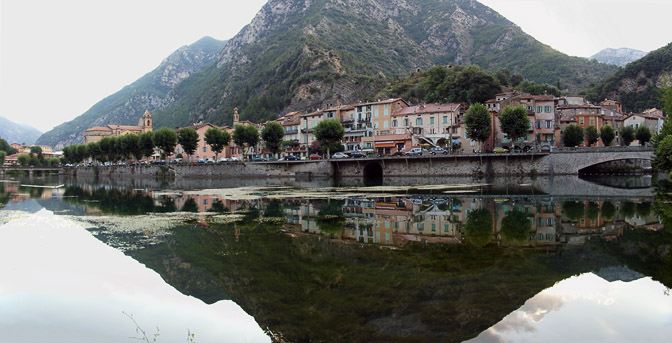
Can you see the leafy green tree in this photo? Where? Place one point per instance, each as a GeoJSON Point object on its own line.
{"type": "Point", "coordinates": [608, 211]}
{"type": "Point", "coordinates": [166, 140]}
{"type": "Point", "coordinates": [329, 133]}
{"type": "Point", "coordinates": [643, 135]}
{"type": "Point", "coordinates": [469, 84]}
{"type": "Point", "coordinates": [607, 134]}
{"type": "Point", "coordinates": [573, 136]}
{"type": "Point", "coordinates": [245, 136]}
{"type": "Point", "coordinates": [478, 228]}
{"type": "Point", "coordinates": [331, 219]}
{"type": "Point", "coordinates": [107, 148]}
{"type": "Point", "coordinates": [478, 123]}
{"type": "Point", "coordinates": [662, 159]}
{"type": "Point", "coordinates": [515, 227]}
{"type": "Point", "coordinates": [188, 138]}
{"type": "Point", "coordinates": [628, 210]}
{"type": "Point", "coordinates": [643, 209]}
{"type": "Point", "coordinates": [514, 122]}
{"type": "Point", "coordinates": [217, 139]}
{"type": "Point", "coordinates": [132, 144]}
{"type": "Point", "coordinates": [80, 153]}
{"type": "Point", "coordinates": [591, 135]}
{"type": "Point", "coordinates": [146, 143]}
{"type": "Point", "coordinates": [516, 79]}
{"type": "Point", "coordinates": [627, 135]}
{"type": "Point", "coordinates": [4, 146]}
{"type": "Point", "coordinates": [503, 75]}
{"type": "Point", "coordinates": [93, 150]}
{"type": "Point", "coordinates": [2, 157]}
{"type": "Point", "coordinates": [35, 150]}
{"type": "Point", "coordinates": [23, 159]}
{"type": "Point", "coordinates": [272, 134]}
{"type": "Point", "coordinates": [592, 211]}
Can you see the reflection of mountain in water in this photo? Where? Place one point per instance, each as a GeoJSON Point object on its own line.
{"type": "Point", "coordinates": [612, 274]}
{"type": "Point", "coordinates": [308, 288]}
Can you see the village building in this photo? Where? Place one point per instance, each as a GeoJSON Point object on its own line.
{"type": "Point", "coordinates": [97, 133]}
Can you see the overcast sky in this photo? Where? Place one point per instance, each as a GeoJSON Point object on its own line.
{"type": "Point", "coordinates": [58, 58]}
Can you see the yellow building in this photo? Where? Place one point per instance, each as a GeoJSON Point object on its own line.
{"type": "Point", "coordinates": [97, 133]}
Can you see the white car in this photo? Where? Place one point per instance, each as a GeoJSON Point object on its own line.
{"type": "Point", "coordinates": [222, 159]}
{"type": "Point", "coordinates": [339, 155]}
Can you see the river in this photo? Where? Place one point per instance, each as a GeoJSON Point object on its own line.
{"type": "Point", "coordinates": [395, 260]}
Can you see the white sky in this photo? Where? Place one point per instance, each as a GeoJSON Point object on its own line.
{"type": "Point", "coordinates": [58, 58]}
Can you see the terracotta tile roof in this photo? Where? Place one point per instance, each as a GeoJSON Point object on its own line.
{"type": "Point", "coordinates": [428, 108]}
{"type": "Point", "coordinates": [386, 101]}
{"type": "Point", "coordinates": [98, 128]}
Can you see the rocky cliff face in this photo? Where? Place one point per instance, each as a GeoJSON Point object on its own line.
{"type": "Point", "coordinates": [305, 54]}
{"type": "Point", "coordinates": [620, 57]}
{"type": "Point", "coordinates": [151, 92]}
{"type": "Point", "coordinates": [638, 85]}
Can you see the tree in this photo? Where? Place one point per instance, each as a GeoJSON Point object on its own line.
{"type": "Point", "coordinates": [93, 150]}
{"type": "Point", "coordinates": [627, 135]}
{"type": "Point", "coordinates": [146, 144]}
{"type": "Point", "coordinates": [2, 157]}
{"type": "Point", "coordinates": [132, 144]}
{"type": "Point", "coordinates": [329, 133]}
{"type": "Point", "coordinates": [107, 149]}
{"type": "Point", "coordinates": [591, 135]}
{"type": "Point", "coordinates": [166, 140]}
{"type": "Point", "coordinates": [478, 123]}
{"type": "Point", "coordinates": [643, 135]}
{"type": "Point", "coordinates": [23, 159]}
{"type": "Point", "coordinates": [662, 159]}
{"type": "Point", "coordinates": [516, 79]}
{"type": "Point", "coordinates": [514, 122]}
{"type": "Point", "coordinates": [272, 134]}
{"type": "Point", "coordinates": [217, 139]}
{"type": "Point", "coordinates": [503, 75]}
{"type": "Point", "coordinates": [607, 134]}
{"type": "Point", "coordinates": [245, 136]}
{"type": "Point", "coordinates": [35, 150]}
{"type": "Point", "coordinates": [573, 136]}
{"type": "Point", "coordinates": [188, 139]}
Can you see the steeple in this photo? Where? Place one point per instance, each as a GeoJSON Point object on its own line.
{"type": "Point", "coordinates": [236, 116]}
{"type": "Point", "coordinates": [146, 121]}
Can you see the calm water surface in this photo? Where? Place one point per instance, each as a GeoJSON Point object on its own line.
{"type": "Point", "coordinates": [407, 260]}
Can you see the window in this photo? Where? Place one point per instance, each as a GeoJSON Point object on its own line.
{"type": "Point", "coordinates": [406, 122]}
{"type": "Point", "coordinates": [394, 123]}
{"type": "Point", "coordinates": [539, 108]}
{"type": "Point", "coordinates": [581, 120]}
{"type": "Point", "coordinates": [446, 228]}
{"type": "Point", "coordinates": [538, 124]}
{"type": "Point", "coordinates": [205, 202]}
{"type": "Point", "coordinates": [548, 109]}
{"type": "Point", "coordinates": [445, 119]}
{"type": "Point", "coordinates": [385, 124]}
{"type": "Point", "coordinates": [431, 120]}
{"type": "Point", "coordinates": [592, 121]}
{"type": "Point", "coordinates": [418, 121]}
{"type": "Point", "coordinates": [549, 124]}
{"type": "Point", "coordinates": [204, 149]}
{"type": "Point", "coordinates": [433, 227]}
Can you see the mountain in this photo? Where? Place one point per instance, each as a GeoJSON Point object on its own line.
{"type": "Point", "coordinates": [150, 92]}
{"type": "Point", "coordinates": [18, 133]}
{"type": "Point", "coordinates": [638, 86]}
{"type": "Point", "coordinates": [304, 54]}
{"type": "Point", "coordinates": [619, 57]}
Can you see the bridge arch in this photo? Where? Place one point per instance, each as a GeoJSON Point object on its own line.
{"type": "Point", "coordinates": [373, 169]}
{"type": "Point", "coordinates": [575, 161]}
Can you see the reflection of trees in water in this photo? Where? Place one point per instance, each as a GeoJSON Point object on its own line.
{"type": "Point", "coordinates": [190, 205]}
{"type": "Point", "coordinates": [218, 206]}
{"type": "Point", "coordinates": [4, 197]}
{"type": "Point", "coordinates": [515, 228]}
{"type": "Point", "coordinates": [643, 209]}
{"type": "Point", "coordinates": [330, 219]}
{"type": "Point", "coordinates": [478, 228]}
{"type": "Point", "coordinates": [662, 205]}
{"type": "Point", "coordinates": [111, 201]}
{"type": "Point", "coordinates": [592, 210]}
{"type": "Point", "coordinates": [573, 210]}
{"type": "Point", "coordinates": [628, 210]}
{"type": "Point", "coordinates": [608, 211]}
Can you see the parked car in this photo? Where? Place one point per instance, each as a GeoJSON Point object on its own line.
{"type": "Point", "coordinates": [339, 155]}
{"type": "Point", "coordinates": [258, 159]}
{"type": "Point", "coordinates": [200, 160]}
{"type": "Point", "coordinates": [357, 154]}
{"type": "Point", "coordinates": [272, 158]}
{"type": "Point", "coordinates": [414, 152]}
{"type": "Point", "coordinates": [437, 150]}
{"type": "Point", "coordinates": [234, 159]}
{"type": "Point", "coordinates": [315, 157]}
{"type": "Point", "coordinates": [222, 159]}
{"type": "Point", "coordinates": [210, 160]}
{"type": "Point", "coordinates": [500, 150]}
{"type": "Point", "coordinates": [290, 158]}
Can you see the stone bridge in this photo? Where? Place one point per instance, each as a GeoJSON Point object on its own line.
{"type": "Point", "coordinates": [30, 169]}
{"type": "Point", "coordinates": [558, 162]}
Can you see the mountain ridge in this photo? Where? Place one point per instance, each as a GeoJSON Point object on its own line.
{"type": "Point", "coordinates": [18, 132]}
{"type": "Point", "coordinates": [299, 54]}
{"type": "Point", "coordinates": [150, 92]}
{"type": "Point", "coordinates": [620, 57]}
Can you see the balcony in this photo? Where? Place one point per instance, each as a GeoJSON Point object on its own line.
{"type": "Point", "coordinates": [291, 131]}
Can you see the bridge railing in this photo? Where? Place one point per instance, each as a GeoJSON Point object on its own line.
{"type": "Point", "coordinates": [605, 149]}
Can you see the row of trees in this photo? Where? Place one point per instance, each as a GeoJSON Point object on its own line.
{"type": "Point", "coordinates": [575, 135]}
{"type": "Point", "coordinates": [515, 124]}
